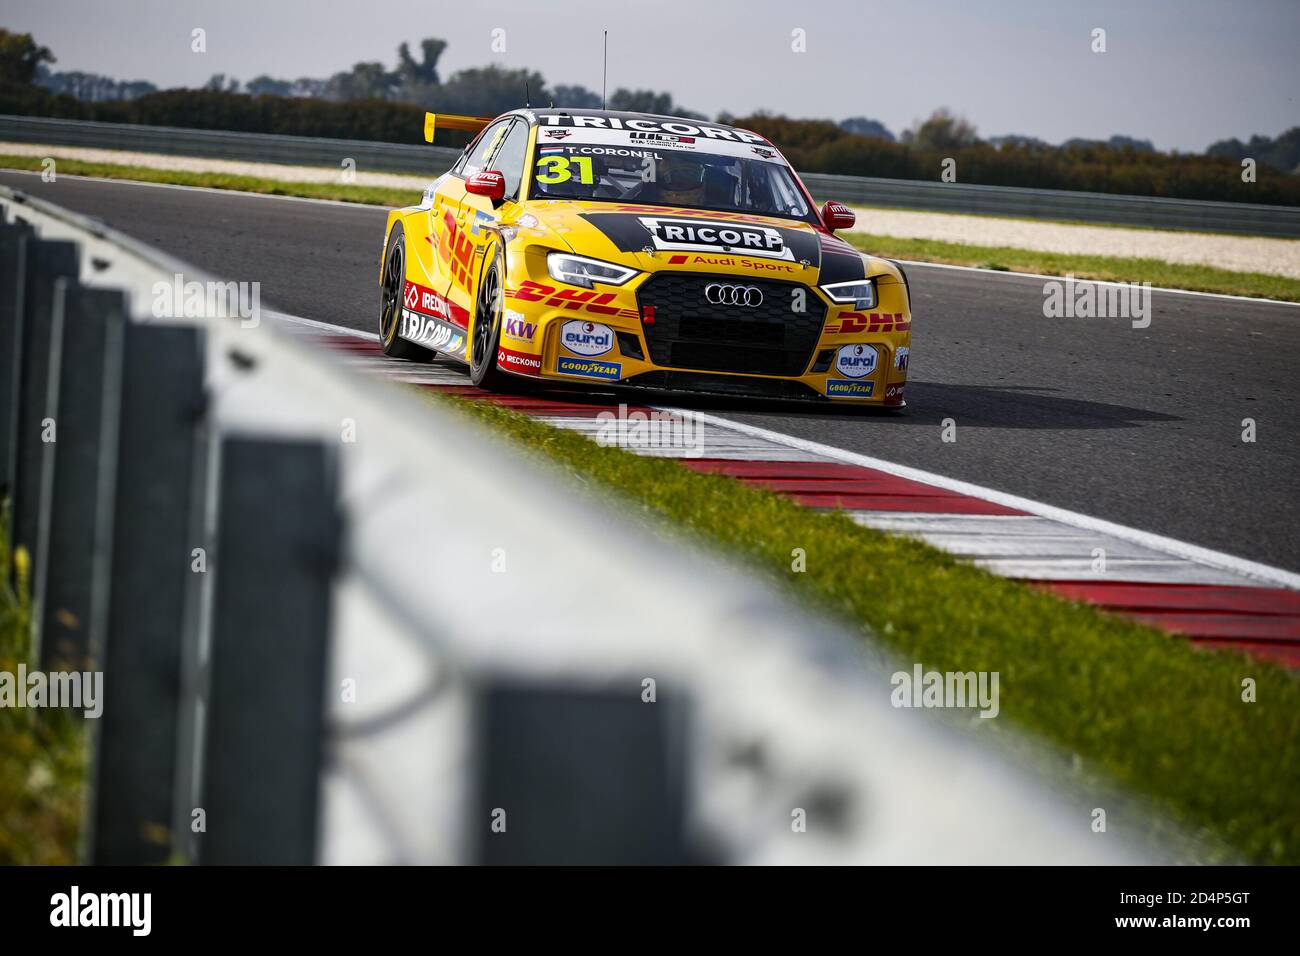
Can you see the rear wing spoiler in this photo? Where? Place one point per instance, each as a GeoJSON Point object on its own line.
{"type": "Point", "coordinates": [438, 121]}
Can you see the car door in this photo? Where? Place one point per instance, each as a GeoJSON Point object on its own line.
{"type": "Point", "coordinates": [451, 250]}
{"type": "Point", "coordinates": [477, 215]}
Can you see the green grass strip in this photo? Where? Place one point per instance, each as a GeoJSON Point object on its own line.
{"type": "Point", "coordinates": [1123, 703]}
{"type": "Point", "coordinates": [1168, 275]}
{"type": "Point", "coordinates": [368, 195]}
{"type": "Point", "coordinates": [42, 752]}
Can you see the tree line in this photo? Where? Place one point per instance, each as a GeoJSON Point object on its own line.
{"type": "Point", "coordinates": [372, 102]}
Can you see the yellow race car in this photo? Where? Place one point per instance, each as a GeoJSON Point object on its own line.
{"type": "Point", "coordinates": [591, 247]}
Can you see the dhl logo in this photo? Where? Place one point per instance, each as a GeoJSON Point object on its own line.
{"type": "Point", "coordinates": [456, 249]}
{"type": "Point", "coordinates": [853, 322]}
{"type": "Point", "coordinates": [584, 300]}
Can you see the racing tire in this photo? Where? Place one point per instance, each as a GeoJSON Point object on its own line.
{"type": "Point", "coordinates": [392, 286]}
{"type": "Point", "coordinates": [485, 332]}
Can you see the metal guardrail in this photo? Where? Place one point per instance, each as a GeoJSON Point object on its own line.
{"type": "Point", "coordinates": [1107, 208]}
{"type": "Point", "coordinates": [242, 147]}
{"type": "Point", "coordinates": [1242, 218]}
{"type": "Point", "coordinates": [336, 625]}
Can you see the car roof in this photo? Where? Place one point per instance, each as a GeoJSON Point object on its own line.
{"type": "Point", "coordinates": [535, 115]}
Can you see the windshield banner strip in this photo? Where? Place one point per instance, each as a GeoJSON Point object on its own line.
{"type": "Point", "coordinates": [643, 140]}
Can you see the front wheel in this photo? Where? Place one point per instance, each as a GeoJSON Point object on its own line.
{"type": "Point", "coordinates": [391, 289]}
{"type": "Point", "coordinates": [486, 334]}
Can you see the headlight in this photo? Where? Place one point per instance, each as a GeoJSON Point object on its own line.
{"type": "Point", "coordinates": [578, 270]}
{"type": "Point", "coordinates": [861, 292]}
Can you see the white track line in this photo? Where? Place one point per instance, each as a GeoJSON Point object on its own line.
{"type": "Point", "coordinates": [1263, 573]}
{"type": "Point", "coordinates": [1192, 552]}
{"type": "Point", "coordinates": [321, 326]}
{"type": "Point", "coordinates": [906, 262]}
{"type": "Point", "coordinates": [1079, 281]}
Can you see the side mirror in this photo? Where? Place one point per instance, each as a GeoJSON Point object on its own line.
{"type": "Point", "coordinates": [836, 215]}
{"type": "Point", "coordinates": [491, 183]}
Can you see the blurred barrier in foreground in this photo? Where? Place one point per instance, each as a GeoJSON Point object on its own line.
{"type": "Point", "coordinates": [1058, 204]}
{"type": "Point", "coordinates": [337, 625]}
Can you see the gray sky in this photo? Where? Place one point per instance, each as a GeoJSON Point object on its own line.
{"type": "Point", "coordinates": [1181, 73]}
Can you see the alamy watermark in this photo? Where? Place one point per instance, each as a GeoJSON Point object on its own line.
{"type": "Point", "coordinates": [956, 689]}
{"type": "Point", "coordinates": [1101, 300]}
{"type": "Point", "coordinates": [133, 911]}
{"type": "Point", "coordinates": [76, 690]}
{"type": "Point", "coordinates": [639, 430]}
{"type": "Point", "coordinates": [179, 299]}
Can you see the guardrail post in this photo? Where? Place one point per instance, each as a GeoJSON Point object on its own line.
{"type": "Point", "coordinates": [47, 261]}
{"type": "Point", "coordinates": [86, 369]}
{"type": "Point", "coordinates": [278, 544]}
{"type": "Point", "coordinates": [574, 775]}
{"type": "Point", "coordinates": [14, 239]}
{"type": "Point", "coordinates": [136, 738]}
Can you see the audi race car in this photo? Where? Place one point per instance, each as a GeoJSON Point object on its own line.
{"type": "Point", "coordinates": [591, 247]}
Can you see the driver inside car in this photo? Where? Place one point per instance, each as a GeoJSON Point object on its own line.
{"type": "Point", "coordinates": [679, 181]}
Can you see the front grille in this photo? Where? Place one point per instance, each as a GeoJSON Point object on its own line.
{"type": "Point", "coordinates": [689, 332]}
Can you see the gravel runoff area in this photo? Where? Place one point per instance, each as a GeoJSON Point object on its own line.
{"type": "Point", "coordinates": [1280, 257]}
{"type": "Point", "coordinates": [1237, 253]}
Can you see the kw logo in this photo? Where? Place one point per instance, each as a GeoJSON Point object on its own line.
{"type": "Point", "coordinates": [853, 322]}
{"type": "Point", "coordinates": [455, 249]}
{"type": "Point", "coordinates": [519, 329]}
{"type": "Point", "coordinates": [587, 300]}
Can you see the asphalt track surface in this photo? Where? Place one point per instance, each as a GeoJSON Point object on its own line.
{"type": "Point", "coordinates": [1138, 426]}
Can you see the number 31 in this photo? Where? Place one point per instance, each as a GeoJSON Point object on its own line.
{"type": "Point", "coordinates": [558, 171]}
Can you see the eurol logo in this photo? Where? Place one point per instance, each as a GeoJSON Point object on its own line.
{"type": "Point", "coordinates": [586, 338]}
{"type": "Point", "coordinates": [856, 361]}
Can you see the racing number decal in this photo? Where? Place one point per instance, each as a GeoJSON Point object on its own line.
{"type": "Point", "coordinates": [558, 169]}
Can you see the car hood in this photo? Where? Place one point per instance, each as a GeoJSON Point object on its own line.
{"type": "Point", "coordinates": [651, 238]}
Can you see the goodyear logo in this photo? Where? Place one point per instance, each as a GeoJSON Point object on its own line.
{"type": "Point", "coordinates": [588, 368]}
{"type": "Point", "coordinates": [848, 389]}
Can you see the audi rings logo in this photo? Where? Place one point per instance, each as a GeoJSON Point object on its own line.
{"type": "Point", "coordinates": [746, 295]}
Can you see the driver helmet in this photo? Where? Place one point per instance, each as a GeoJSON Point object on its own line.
{"type": "Point", "coordinates": [681, 178]}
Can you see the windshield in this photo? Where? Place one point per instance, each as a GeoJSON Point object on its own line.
{"type": "Point", "coordinates": [662, 177]}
